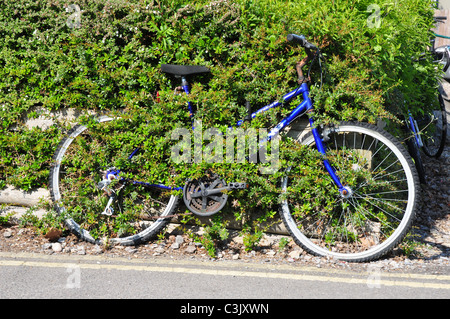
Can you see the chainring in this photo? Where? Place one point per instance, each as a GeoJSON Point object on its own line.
{"type": "Point", "coordinates": [197, 199]}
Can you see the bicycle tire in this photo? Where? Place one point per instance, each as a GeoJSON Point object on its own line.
{"type": "Point", "coordinates": [414, 151]}
{"type": "Point", "coordinates": [384, 185]}
{"type": "Point", "coordinates": [434, 130]}
{"type": "Point", "coordinates": [78, 165]}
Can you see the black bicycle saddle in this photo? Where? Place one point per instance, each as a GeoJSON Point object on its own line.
{"type": "Point", "coordinates": [183, 70]}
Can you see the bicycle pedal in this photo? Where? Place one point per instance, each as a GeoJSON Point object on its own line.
{"type": "Point", "coordinates": [108, 211]}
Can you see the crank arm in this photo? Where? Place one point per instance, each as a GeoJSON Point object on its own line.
{"type": "Point", "coordinates": [208, 192]}
{"type": "Point", "coordinates": [108, 209]}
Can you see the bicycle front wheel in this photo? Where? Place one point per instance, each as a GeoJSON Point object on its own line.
{"type": "Point", "coordinates": [377, 212]}
{"type": "Point", "coordinates": [134, 213]}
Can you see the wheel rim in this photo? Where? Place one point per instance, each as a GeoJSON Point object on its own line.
{"type": "Point", "coordinates": [321, 245]}
{"type": "Point", "coordinates": [67, 178]}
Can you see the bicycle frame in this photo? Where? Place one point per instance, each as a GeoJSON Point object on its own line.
{"type": "Point", "coordinates": [305, 106]}
{"type": "Point", "coordinates": [415, 130]}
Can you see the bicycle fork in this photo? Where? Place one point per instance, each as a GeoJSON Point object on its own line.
{"type": "Point", "coordinates": [302, 80]}
{"type": "Point", "coordinates": [344, 191]}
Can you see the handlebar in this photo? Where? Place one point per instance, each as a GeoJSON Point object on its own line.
{"type": "Point", "coordinates": [300, 39]}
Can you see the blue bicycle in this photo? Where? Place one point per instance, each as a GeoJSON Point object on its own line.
{"type": "Point", "coordinates": [360, 206]}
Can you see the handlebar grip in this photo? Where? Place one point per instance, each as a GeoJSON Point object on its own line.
{"type": "Point", "coordinates": [296, 38]}
{"type": "Point", "coordinates": [300, 39]}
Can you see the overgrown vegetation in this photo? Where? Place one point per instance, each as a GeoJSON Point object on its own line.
{"type": "Point", "coordinates": [4, 218]}
{"type": "Point", "coordinates": [110, 61]}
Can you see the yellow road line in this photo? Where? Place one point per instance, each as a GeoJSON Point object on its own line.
{"type": "Point", "coordinates": [229, 264]}
{"type": "Point", "coordinates": [235, 273]}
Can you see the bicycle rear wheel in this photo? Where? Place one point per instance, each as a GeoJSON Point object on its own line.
{"type": "Point", "coordinates": [81, 161]}
{"type": "Point", "coordinates": [373, 217]}
{"type": "Point", "coordinates": [433, 128]}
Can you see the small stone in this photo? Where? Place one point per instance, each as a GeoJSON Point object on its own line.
{"type": "Point", "coordinates": [53, 234]}
{"type": "Point", "coordinates": [81, 250]}
{"type": "Point", "coordinates": [408, 262]}
{"type": "Point", "coordinates": [97, 249]}
{"type": "Point", "coordinates": [46, 246]}
{"type": "Point", "coordinates": [191, 249]}
{"type": "Point", "coordinates": [131, 250]}
{"type": "Point", "coordinates": [394, 264]}
{"type": "Point", "coordinates": [295, 254]}
{"type": "Point", "coordinates": [238, 240]}
{"type": "Point", "coordinates": [160, 250]}
{"type": "Point", "coordinates": [179, 239]}
{"type": "Point", "coordinates": [235, 257]}
{"type": "Point", "coordinates": [57, 247]}
{"type": "Point", "coordinates": [175, 245]}
{"type": "Point", "coordinates": [271, 253]}
{"type": "Point", "coordinates": [7, 233]}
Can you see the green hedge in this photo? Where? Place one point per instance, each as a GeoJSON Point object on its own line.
{"type": "Point", "coordinates": [110, 59]}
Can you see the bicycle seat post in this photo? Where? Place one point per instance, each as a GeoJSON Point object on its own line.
{"type": "Point", "coordinates": [185, 84]}
{"type": "Point", "coordinates": [185, 88]}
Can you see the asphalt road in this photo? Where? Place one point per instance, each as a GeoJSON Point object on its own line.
{"type": "Point", "coordinates": [91, 277]}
